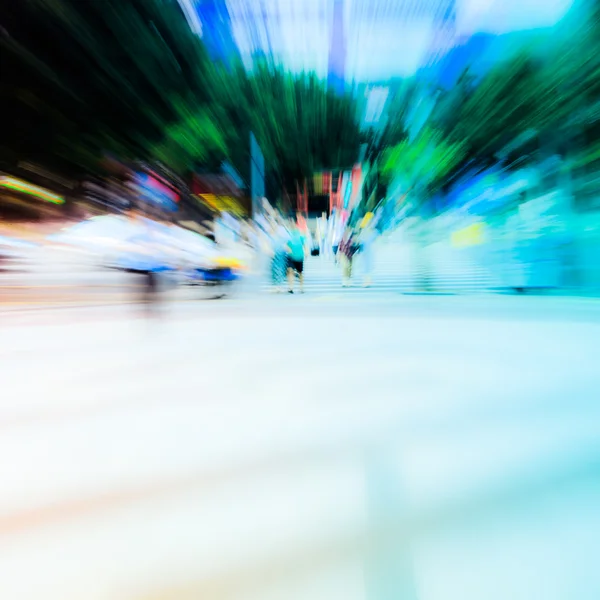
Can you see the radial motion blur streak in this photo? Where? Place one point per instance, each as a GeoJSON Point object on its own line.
{"type": "Point", "coordinates": [299, 300]}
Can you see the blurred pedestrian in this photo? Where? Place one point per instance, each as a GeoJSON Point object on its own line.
{"type": "Point", "coordinates": [337, 234]}
{"type": "Point", "coordinates": [367, 239]}
{"type": "Point", "coordinates": [296, 248]}
{"type": "Point", "coordinates": [280, 237]}
{"type": "Point", "coordinates": [344, 254]}
{"type": "Point", "coordinates": [347, 249]}
{"type": "Point", "coordinates": [145, 258]}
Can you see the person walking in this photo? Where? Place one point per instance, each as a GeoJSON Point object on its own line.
{"type": "Point", "coordinates": [337, 235]}
{"type": "Point", "coordinates": [296, 248]}
{"type": "Point", "coordinates": [367, 239]}
{"type": "Point", "coordinates": [280, 237]}
{"type": "Point", "coordinates": [347, 249]}
{"type": "Point", "coordinates": [146, 258]}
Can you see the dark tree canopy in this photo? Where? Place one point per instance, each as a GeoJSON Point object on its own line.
{"type": "Point", "coordinates": [129, 78]}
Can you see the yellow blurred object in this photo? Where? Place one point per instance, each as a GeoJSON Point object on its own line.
{"type": "Point", "coordinates": [222, 204]}
{"type": "Point", "coordinates": [366, 220]}
{"type": "Point", "coordinates": [230, 263]}
{"type": "Point", "coordinates": [473, 235]}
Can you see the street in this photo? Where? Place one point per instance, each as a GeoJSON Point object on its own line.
{"type": "Point", "coordinates": [363, 447]}
{"type": "Point", "coordinates": [56, 279]}
{"type": "Point", "coordinates": [300, 300]}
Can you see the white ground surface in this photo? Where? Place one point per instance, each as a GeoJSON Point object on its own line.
{"type": "Point", "coordinates": [359, 447]}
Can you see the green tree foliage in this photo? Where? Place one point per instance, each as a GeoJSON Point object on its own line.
{"type": "Point", "coordinates": [128, 77]}
{"type": "Point", "coordinates": [571, 71]}
{"type": "Point", "coordinates": [478, 121]}
{"type": "Point", "coordinates": [189, 141]}
{"type": "Point", "coordinates": [299, 124]}
{"type": "Point", "coordinates": [504, 105]}
{"type": "Point", "coordinates": [86, 77]}
{"type": "Point", "coordinates": [397, 125]}
{"type": "Point", "coordinates": [541, 98]}
{"type": "Point", "coordinates": [423, 163]}
{"type": "Point", "coordinates": [550, 88]}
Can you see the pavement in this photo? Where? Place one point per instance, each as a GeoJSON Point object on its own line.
{"type": "Point", "coordinates": [55, 277]}
{"type": "Point", "coordinates": [367, 446]}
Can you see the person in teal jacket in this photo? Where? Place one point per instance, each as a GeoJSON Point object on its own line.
{"type": "Point", "coordinates": [296, 248]}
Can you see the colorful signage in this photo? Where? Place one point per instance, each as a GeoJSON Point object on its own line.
{"type": "Point", "coordinates": [222, 204]}
{"type": "Point", "coordinates": [152, 190]}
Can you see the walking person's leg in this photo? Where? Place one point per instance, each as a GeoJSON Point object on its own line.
{"type": "Point", "coordinates": [300, 270]}
{"type": "Point", "coordinates": [290, 276]}
{"type": "Point", "coordinates": [345, 263]}
{"type": "Point", "coordinates": [150, 290]}
{"type": "Point", "coordinates": [274, 270]}
{"type": "Point", "coordinates": [281, 268]}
